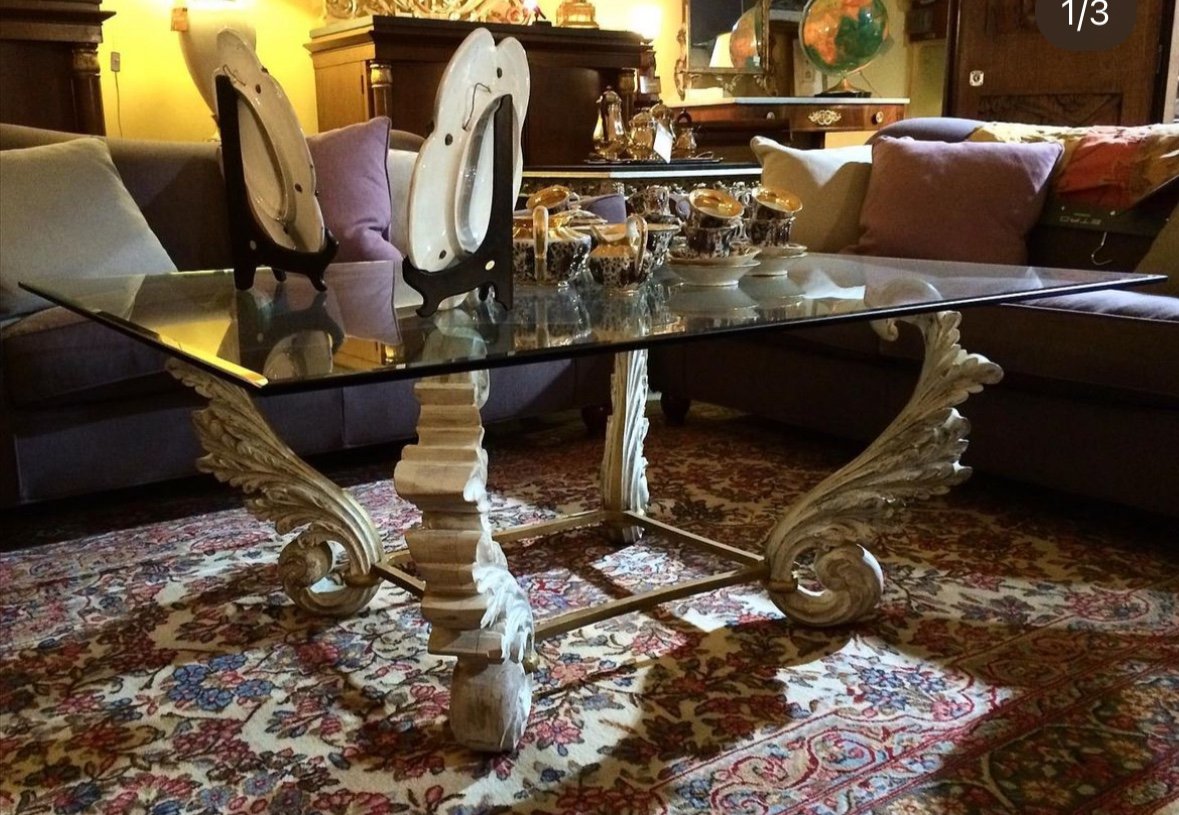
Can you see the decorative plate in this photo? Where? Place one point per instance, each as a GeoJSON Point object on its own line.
{"type": "Point", "coordinates": [450, 193]}
{"type": "Point", "coordinates": [280, 178]}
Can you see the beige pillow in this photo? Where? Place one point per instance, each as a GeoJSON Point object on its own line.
{"type": "Point", "coordinates": [399, 165]}
{"type": "Point", "coordinates": [1163, 258]}
{"type": "Point", "coordinates": [832, 184]}
{"type": "Point", "coordinates": [64, 212]}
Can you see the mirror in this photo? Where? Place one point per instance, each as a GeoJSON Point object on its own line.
{"type": "Point", "coordinates": [725, 43]}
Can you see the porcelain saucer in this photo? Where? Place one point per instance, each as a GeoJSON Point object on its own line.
{"type": "Point", "coordinates": [712, 275]}
{"type": "Point", "coordinates": [775, 260]}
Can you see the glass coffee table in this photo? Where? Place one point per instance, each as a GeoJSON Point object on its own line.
{"type": "Point", "coordinates": [230, 346]}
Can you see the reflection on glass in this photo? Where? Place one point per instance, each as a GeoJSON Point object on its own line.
{"type": "Point", "coordinates": [549, 319]}
{"type": "Point", "coordinates": [285, 333]}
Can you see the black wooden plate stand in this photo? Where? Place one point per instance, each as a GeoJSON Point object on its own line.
{"type": "Point", "coordinates": [251, 246]}
{"type": "Point", "coordinates": [490, 266]}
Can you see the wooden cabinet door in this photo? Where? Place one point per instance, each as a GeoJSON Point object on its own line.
{"type": "Point", "coordinates": [1001, 68]}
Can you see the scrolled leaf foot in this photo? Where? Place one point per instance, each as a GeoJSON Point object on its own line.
{"type": "Point", "coordinates": [317, 582]}
{"type": "Point", "coordinates": [852, 585]}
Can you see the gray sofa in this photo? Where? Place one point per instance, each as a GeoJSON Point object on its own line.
{"type": "Point", "coordinates": [85, 409]}
{"type": "Point", "coordinates": [1089, 404]}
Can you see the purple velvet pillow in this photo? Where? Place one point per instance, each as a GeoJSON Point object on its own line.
{"type": "Point", "coordinates": [969, 201]}
{"type": "Point", "coordinates": [354, 188]}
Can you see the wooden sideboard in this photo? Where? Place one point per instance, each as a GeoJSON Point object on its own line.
{"type": "Point", "coordinates": [391, 66]}
{"type": "Point", "coordinates": [725, 128]}
{"type": "Point", "coordinates": [49, 64]}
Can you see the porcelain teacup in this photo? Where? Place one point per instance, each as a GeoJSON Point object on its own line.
{"type": "Point", "coordinates": [773, 216]}
{"type": "Point", "coordinates": [544, 254]}
{"type": "Point", "coordinates": [555, 198]}
{"type": "Point", "coordinates": [712, 209]}
{"type": "Point", "coordinates": [714, 241]}
{"type": "Point", "coordinates": [622, 264]}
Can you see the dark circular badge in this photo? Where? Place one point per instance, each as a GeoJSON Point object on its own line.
{"type": "Point", "coordinates": [1086, 25]}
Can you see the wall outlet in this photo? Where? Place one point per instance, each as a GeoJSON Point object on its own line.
{"type": "Point", "coordinates": [116, 62]}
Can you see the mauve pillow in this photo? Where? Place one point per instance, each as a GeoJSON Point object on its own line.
{"type": "Point", "coordinates": [354, 188]}
{"type": "Point", "coordinates": [969, 201]}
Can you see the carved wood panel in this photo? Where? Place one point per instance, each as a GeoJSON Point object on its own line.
{"type": "Point", "coordinates": [1001, 67]}
{"type": "Point", "coordinates": [1074, 110]}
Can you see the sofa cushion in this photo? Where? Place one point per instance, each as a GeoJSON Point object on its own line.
{"type": "Point", "coordinates": [831, 183]}
{"type": "Point", "coordinates": [64, 212]}
{"type": "Point", "coordinates": [57, 355]}
{"type": "Point", "coordinates": [1117, 345]}
{"type": "Point", "coordinates": [353, 182]}
{"type": "Point", "coordinates": [966, 201]}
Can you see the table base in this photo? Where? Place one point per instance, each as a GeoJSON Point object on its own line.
{"type": "Point", "coordinates": [477, 610]}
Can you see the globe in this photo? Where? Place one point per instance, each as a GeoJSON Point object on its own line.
{"type": "Point", "coordinates": [842, 36]}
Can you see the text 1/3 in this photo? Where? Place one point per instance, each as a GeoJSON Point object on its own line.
{"type": "Point", "coordinates": [1093, 12]}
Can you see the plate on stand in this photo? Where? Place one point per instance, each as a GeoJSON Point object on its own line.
{"type": "Point", "coordinates": [280, 178]}
{"type": "Point", "coordinates": [450, 193]}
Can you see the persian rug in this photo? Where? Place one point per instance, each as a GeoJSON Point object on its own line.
{"type": "Point", "coordinates": [1025, 659]}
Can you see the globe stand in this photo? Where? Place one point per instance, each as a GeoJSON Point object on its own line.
{"type": "Point", "coordinates": [844, 88]}
{"type": "Point", "coordinates": [489, 266]}
{"type": "Point", "coordinates": [249, 243]}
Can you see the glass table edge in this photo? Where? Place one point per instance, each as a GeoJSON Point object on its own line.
{"type": "Point", "coordinates": [239, 375]}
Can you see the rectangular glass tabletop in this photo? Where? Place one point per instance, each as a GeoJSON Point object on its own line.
{"type": "Point", "coordinates": [287, 336]}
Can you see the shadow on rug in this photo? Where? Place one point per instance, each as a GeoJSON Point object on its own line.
{"type": "Point", "coordinates": [1025, 660]}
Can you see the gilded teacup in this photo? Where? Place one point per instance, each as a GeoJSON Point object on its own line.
{"type": "Point", "coordinates": [623, 264]}
{"type": "Point", "coordinates": [713, 209]}
{"type": "Point", "coordinates": [547, 255]}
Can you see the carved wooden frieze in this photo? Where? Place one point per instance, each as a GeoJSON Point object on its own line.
{"type": "Point", "coordinates": [492, 11]}
{"type": "Point", "coordinates": [1070, 109]}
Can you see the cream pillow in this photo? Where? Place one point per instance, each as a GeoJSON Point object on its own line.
{"type": "Point", "coordinates": [64, 212]}
{"type": "Point", "coordinates": [832, 184]}
{"type": "Point", "coordinates": [1163, 258]}
{"type": "Point", "coordinates": [399, 165]}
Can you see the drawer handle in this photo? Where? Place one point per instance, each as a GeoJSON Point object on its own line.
{"type": "Point", "coordinates": [878, 117]}
{"type": "Point", "coordinates": [825, 117]}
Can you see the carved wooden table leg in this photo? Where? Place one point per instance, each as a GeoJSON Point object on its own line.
{"type": "Point", "coordinates": [624, 469]}
{"type": "Point", "coordinates": [915, 457]}
{"type": "Point", "coordinates": [477, 611]}
{"type": "Point", "coordinates": [243, 450]}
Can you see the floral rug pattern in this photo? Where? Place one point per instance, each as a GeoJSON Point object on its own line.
{"type": "Point", "coordinates": [1025, 660]}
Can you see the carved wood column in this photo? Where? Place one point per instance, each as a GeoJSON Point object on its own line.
{"type": "Point", "coordinates": [624, 468]}
{"type": "Point", "coordinates": [477, 611]}
{"type": "Point", "coordinates": [87, 87]}
{"type": "Point", "coordinates": [380, 89]}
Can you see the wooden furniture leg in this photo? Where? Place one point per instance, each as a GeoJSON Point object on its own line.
{"type": "Point", "coordinates": [915, 457]}
{"type": "Point", "coordinates": [478, 613]}
{"type": "Point", "coordinates": [624, 469]}
{"type": "Point", "coordinates": [243, 450]}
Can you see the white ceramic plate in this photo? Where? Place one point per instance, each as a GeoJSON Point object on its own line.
{"type": "Point", "coordinates": [280, 178]}
{"type": "Point", "coordinates": [433, 243]}
{"type": "Point", "coordinates": [450, 193]}
{"type": "Point", "coordinates": [711, 275]}
{"type": "Point", "coordinates": [473, 192]}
